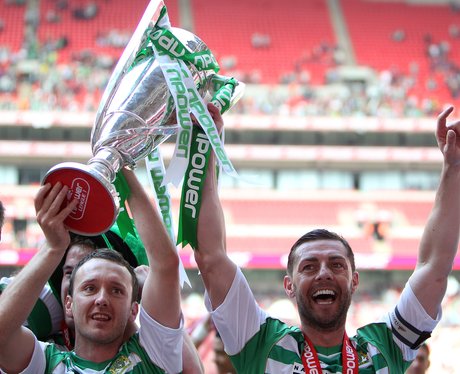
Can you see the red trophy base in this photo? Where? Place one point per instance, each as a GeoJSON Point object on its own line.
{"type": "Point", "coordinates": [97, 207]}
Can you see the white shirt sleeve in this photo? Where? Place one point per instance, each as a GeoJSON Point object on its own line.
{"type": "Point", "coordinates": [162, 344]}
{"type": "Point", "coordinates": [239, 317]}
{"type": "Point", "coordinates": [410, 323]}
{"type": "Point", "coordinates": [37, 363]}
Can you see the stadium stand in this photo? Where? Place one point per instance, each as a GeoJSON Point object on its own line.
{"type": "Point", "coordinates": [98, 27]}
{"type": "Point", "coordinates": [11, 26]}
{"type": "Point", "coordinates": [296, 35]}
{"type": "Point", "coordinates": [425, 48]}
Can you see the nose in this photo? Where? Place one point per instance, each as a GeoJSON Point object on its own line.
{"type": "Point", "coordinates": [101, 298]}
{"type": "Point", "coordinates": [324, 272]}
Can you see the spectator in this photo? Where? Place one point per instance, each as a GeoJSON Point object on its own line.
{"type": "Point", "coordinates": [422, 361]}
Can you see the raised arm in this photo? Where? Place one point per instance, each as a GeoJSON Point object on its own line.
{"type": "Point", "coordinates": [217, 270]}
{"type": "Point", "coordinates": [440, 238]}
{"type": "Point", "coordinates": [161, 291]}
{"type": "Point", "coordinates": [18, 299]}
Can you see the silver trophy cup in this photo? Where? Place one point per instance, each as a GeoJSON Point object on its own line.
{"type": "Point", "coordinates": [137, 114]}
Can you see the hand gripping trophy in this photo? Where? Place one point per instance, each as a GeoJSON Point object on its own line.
{"type": "Point", "coordinates": [161, 78]}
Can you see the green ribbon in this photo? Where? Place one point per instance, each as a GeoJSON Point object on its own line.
{"type": "Point", "coordinates": [224, 88]}
{"type": "Point", "coordinates": [124, 221]}
{"type": "Point", "coordinates": [195, 175]}
{"type": "Point", "coordinates": [165, 41]}
{"type": "Point", "coordinates": [192, 189]}
{"type": "Point", "coordinates": [124, 226]}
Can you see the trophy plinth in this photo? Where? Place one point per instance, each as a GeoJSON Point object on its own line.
{"type": "Point", "coordinates": [98, 202]}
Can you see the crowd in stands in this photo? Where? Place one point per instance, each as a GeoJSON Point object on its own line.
{"type": "Point", "coordinates": [43, 84]}
{"type": "Point", "coordinates": [34, 78]}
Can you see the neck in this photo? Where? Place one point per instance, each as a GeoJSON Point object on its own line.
{"type": "Point", "coordinates": [324, 338]}
{"type": "Point", "coordinates": [96, 352]}
{"type": "Point", "coordinates": [131, 329]}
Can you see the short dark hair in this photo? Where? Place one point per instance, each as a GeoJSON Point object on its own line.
{"type": "Point", "coordinates": [82, 241]}
{"type": "Point", "coordinates": [2, 214]}
{"type": "Point", "coordinates": [109, 255]}
{"type": "Point", "coordinates": [314, 235]}
{"type": "Point", "coordinates": [95, 243]}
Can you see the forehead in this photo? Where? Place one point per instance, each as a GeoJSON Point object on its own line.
{"type": "Point", "coordinates": [76, 253]}
{"type": "Point", "coordinates": [321, 249]}
{"type": "Point", "coordinates": [101, 270]}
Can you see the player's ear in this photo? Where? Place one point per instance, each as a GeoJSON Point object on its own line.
{"type": "Point", "coordinates": [134, 311]}
{"type": "Point", "coordinates": [68, 306]}
{"type": "Point", "coordinates": [354, 281]}
{"type": "Point", "coordinates": [289, 287]}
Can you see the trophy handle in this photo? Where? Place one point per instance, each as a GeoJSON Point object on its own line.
{"type": "Point", "coordinates": [98, 201]}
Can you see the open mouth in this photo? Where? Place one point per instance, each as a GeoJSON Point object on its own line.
{"type": "Point", "coordinates": [324, 296]}
{"type": "Point", "coordinates": [101, 317]}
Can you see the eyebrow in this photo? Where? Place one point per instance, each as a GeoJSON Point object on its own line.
{"type": "Point", "coordinates": [315, 259]}
{"type": "Point", "coordinates": [338, 258]}
{"type": "Point", "coordinates": [114, 283]}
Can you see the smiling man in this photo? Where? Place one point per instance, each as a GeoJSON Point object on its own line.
{"type": "Point", "coordinates": [321, 278]}
{"type": "Point", "coordinates": [102, 298]}
{"type": "Point", "coordinates": [101, 301]}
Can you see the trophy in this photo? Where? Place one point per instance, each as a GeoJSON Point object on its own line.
{"type": "Point", "coordinates": [136, 114]}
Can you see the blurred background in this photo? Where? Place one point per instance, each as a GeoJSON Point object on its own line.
{"type": "Point", "coordinates": [335, 130]}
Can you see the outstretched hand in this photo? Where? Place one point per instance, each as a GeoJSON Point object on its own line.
{"type": "Point", "coordinates": [448, 137]}
{"type": "Point", "coordinates": [51, 215]}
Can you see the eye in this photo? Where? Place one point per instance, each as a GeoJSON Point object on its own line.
{"type": "Point", "coordinates": [89, 288]}
{"type": "Point", "coordinates": [67, 272]}
{"type": "Point", "coordinates": [338, 265]}
{"type": "Point", "coordinates": [117, 291]}
{"type": "Point", "coordinates": [308, 267]}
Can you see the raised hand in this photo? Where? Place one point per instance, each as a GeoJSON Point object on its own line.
{"type": "Point", "coordinates": [448, 137]}
{"type": "Point", "coordinates": [51, 214]}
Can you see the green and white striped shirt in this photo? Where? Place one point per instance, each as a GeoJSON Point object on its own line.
{"type": "Point", "coordinates": [258, 343]}
{"type": "Point", "coordinates": [153, 349]}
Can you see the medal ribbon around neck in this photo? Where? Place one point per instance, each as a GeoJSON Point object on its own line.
{"type": "Point", "coordinates": [311, 362]}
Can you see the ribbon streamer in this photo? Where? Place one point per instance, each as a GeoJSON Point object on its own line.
{"type": "Point", "coordinates": [155, 168]}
